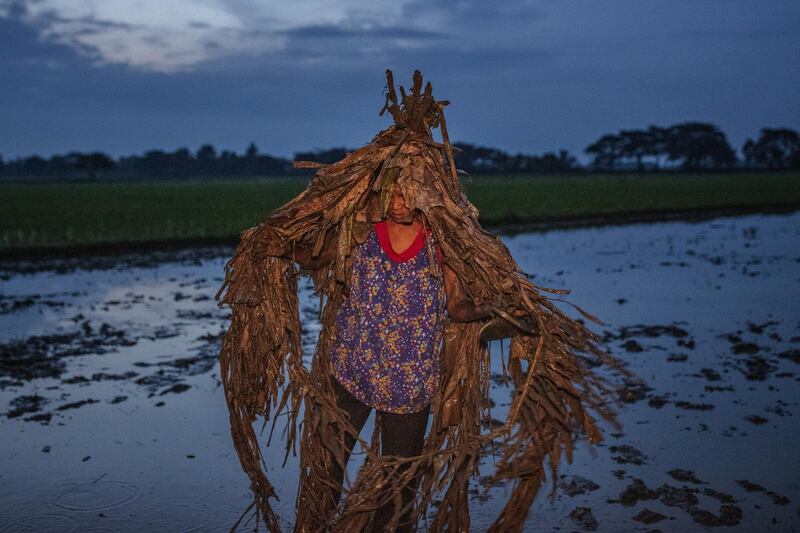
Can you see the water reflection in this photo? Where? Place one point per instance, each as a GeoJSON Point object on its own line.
{"type": "Point", "coordinates": [115, 418]}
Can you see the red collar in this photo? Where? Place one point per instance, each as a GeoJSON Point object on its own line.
{"type": "Point", "coordinates": [382, 230]}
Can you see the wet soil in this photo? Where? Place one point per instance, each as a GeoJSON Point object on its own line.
{"type": "Point", "coordinates": [109, 378]}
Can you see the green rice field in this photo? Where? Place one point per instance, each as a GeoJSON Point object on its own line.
{"type": "Point", "coordinates": [54, 215]}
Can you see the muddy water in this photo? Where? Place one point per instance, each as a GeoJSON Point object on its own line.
{"type": "Point", "coordinates": [112, 415]}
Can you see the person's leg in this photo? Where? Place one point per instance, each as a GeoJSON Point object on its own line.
{"type": "Point", "coordinates": [358, 412]}
{"type": "Point", "coordinates": [402, 435]}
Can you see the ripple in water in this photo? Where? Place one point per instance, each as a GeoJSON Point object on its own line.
{"type": "Point", "coordinates": [96, 496]}
{"type": "Point", "coordinates": [51, 522]}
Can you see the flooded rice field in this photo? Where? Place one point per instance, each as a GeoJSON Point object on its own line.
{"type": "Point", "coordinates": [113, 417]}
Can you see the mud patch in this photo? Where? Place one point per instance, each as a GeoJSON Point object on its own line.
{"type": "Point", "coordinates": [176, 389]}
{"type": "Point", "coordinates": [170, 374]}
{"type": "Point", "coordinates": [721, 496]}
{"type": "Point", "coordinates": [634, 493]}
{"type": "Point", "coordinates": [626, 454]}
{"type": "Point", "coordinates": [686, 476]}
{"type": "Point", "coordinates": [633, 391]}
{"type": "Point", "coordinates": [694, 406]}
{"type": "Point", "coordinates": [652, 331]}
{"type": "Point", "coordinates": [754, 363]}
{"type": "Point", "coordinates": [756, 420]}
{"type": "Point", "coordinates": [683, 498]}
{"type": "Point", "coordinates": [792, 355]}
{"type": "Point", "coordinates": [710, 374]}
{"type": "Point", "coordinates": [632, 338]}
{"type": "Point", "coordinates": [677, 358]}
{"type": "Point", "coordinates": [583, 516]}
{"type": "Point", "coordinates": [76, 405]}
{"type": "Point", "coordinates": [109, 257]}
{"type": "Point", "coordinates": [658, 401]}
{"type": "Point", "coordinates": [22, 405]}
{"type": "Point", "coordinates": [41, 356]}
{"type": "Point", "coordinates": [99, 376]}
{"type": "Point", "coordinates": [646, 516]}
{"type": "Point", "coordinates": [749, 486]}
{"type": "Point", "coordinates": [16, 303]}
{"type": "Point", "coordinates": [577, 485]}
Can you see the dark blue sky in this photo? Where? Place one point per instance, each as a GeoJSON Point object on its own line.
{"type": "Point", "coordinates": [127, 76]}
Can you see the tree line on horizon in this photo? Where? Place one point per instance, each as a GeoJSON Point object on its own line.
{"type": "Point", "coordinates": [688, 147]}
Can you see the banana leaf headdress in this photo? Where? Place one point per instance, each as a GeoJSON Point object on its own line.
{"type": "Point", "coordinates": [550, 362]}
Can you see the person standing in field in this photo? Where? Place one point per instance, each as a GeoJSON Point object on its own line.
{"type": "Point", "coordinates": [411, 290]}
{"type": "Point", "coordinates": [388, 335]}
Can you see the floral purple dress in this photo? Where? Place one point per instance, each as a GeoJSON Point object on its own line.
{"type": "Point", "coordinates": [389, 329]}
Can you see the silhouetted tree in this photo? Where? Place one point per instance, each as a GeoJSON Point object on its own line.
{"type": "Point", "coordinates": [698, 146]}
{"type": "Point", "coordinates": [154, 163]}
{"type": "Point", "coordinates": [180, 163]}
{"type": "Point", "coordinates": [331, 155]}
{"type": "Point", "coordinates": [34, 166]}
{"type": "Point", "coordinates": [658, 145]}
{"type": "Point", "coordinates": [552, 162]}
{"type": "Point", "coordinates": [272, 166]}
{"type": "Point", "coordinates": [693, 145]}
{"type": "Point", "coordinates": [775, 148]}
{"type": "Point", "coordinates": [472, 158]}
{"type": "Point", "coordinates": [228, 163]}
{"type": "Point", "coordinates": [635, 144]}
{"type": "Point", "coordinates": [206, 160]}
{"type": "Point", "coordinates": [475, 159]}
{"type": "Point", "coordinates": [690, 145]}
{"type": "Point", "coordinates": [607, 150]}
{"type": "Point", "coordinates": [91, 163]}
{"type": "Point", "coordinates": [251, 151]}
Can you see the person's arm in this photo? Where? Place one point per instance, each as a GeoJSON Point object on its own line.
{"type": "Point", "coordinates": [459, 307]}
{"type": "Point", "coordinates": [301, 254]}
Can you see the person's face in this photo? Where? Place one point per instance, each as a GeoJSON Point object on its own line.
{"type": "Point", "coordinates": [399, 212]}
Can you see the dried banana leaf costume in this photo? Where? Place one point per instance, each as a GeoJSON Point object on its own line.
{"type": "Point", "coordinates": [263, 373]}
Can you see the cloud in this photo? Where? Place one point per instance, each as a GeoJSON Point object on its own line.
{"type": "Point", "coordinates": [151, 36]}
{"type": "Point", "coordinates": [332, 31]}
{"type": "Point", "coordinates": [180, 35]}
{"type": "Point", "coordinates": [525, 76]}
{"type": "Point", "coordinates": [183, 35]}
